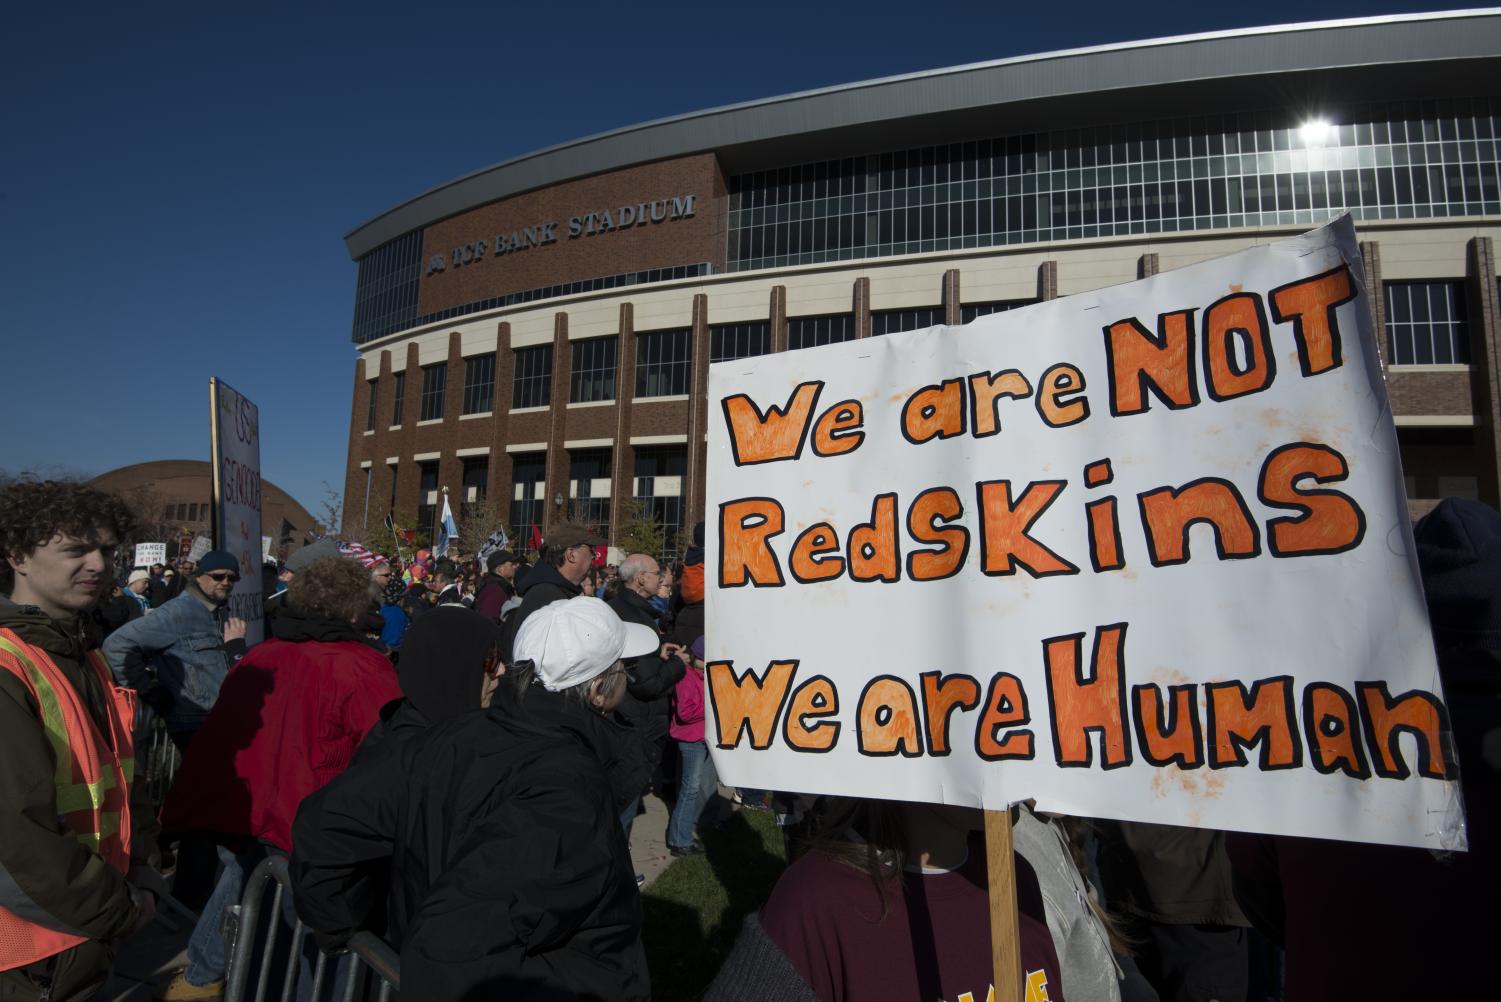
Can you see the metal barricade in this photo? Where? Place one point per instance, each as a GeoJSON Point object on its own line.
{"type": "Point", "coordinates": [158, 765]}
{"type": "Point", "coordinates": [371, 970]}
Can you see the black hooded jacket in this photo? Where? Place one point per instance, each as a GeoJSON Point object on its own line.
{"type": "Point", "coordinates": [648, 701]}
{"type": "Point", "coordinates": [543, 585]}
{"type": "Point", "coordinates": [511, 874]}
{"type": "Point", "coordinates": [441, 671]}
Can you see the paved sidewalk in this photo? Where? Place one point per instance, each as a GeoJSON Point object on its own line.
{"type": "Point", "coordinates": [149, 960]}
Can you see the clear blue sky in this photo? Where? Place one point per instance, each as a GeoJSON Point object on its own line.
{"type": "Point", "coordinates": [176, 179]}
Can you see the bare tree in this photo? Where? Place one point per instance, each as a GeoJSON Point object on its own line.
{"type": "Point", "coordinates": [642, 531]}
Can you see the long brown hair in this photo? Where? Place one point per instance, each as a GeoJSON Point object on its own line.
{"type": "Point", "coordinates": [865, 834]}
{"type": "Point", "coordinates": [1077, 831]}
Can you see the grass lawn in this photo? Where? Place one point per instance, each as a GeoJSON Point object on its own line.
{"type": "Point", "coordinates": [693, 911]}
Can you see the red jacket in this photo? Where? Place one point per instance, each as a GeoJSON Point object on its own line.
{"type": "Point", "coordinates": [288, 719]}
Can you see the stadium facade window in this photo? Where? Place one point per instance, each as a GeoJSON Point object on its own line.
{"type": "Point", "coordinates": [385, 290]}
{"type": "Point", "coordinates": [400, 393]}
{"type": "Point", "coordinates": [658, 486]}
{"type": "Point", "coordinates": [427, 496]}
{"type": "Point", "coordinates": [531, 386]}
{"type": "Point", "coordinates": [727, 341]}
{"type": "Point", "coordinates": [386, 299]}
{"type": "Point", "coordinates": [896, 321]}
{"type": "Point", "coordinates": [664, 363]}
{"type": "Point", "coordinates": [479, 384]}
{"type": "Point", "coordinates": [528, 494]}
{"type": "Point", "coordinates": [592, 376]}
{"type": "Point", "coordinates": [811, 332]}
{"type": "Point", "coordinates": [476, 485]}
{"type": "Point", "coordinates": [973, 311]}
{"type": "Point", "coordinates": [589, 488]}
{"type": "Point", "coordinates": [1388, 160]}
{"type": "Point", "coordinates": [434, 382]}
{"type": "Point", "coordinates": [374, 399]}
{"type": "Point", "coordinates": [1427, 323]}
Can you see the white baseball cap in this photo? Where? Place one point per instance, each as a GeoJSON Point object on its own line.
{"type": "Point", "coordinates": [573, 641]}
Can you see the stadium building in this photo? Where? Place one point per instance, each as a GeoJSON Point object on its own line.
{"type": "Point", "coordinates": [539, 332]}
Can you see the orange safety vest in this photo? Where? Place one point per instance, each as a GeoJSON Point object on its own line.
{"type": "Point", "coordinates": [93, 778]}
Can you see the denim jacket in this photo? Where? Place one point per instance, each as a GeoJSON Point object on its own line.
{"type": "Point", "coordinates": [183, 640]}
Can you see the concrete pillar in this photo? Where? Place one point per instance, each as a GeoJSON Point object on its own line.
{"type": "Point", "coordinates": [354, 484]}
{"type": "Point", "coordinates": [1485, 364]}
{"type": "Point", "coordinates": [778, 314]}
{"type": "Point", "coordinates": [498, 489]}
{"type": "Point", "coordinates": [1370, 256]}
{"type": "Point", "coordinates": [1047, 281]}
{"type": "Point", "coordinates": [952, 307]}
{"type": "Point", "coordinates": [557, 457]}
{"type": "Point", "coordinates": [623, 458]}
{"type": "Point", "coordinates": [698, 412]}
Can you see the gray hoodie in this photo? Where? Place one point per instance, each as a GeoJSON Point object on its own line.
{"type": "Point", "coordinates": [1090, 973]}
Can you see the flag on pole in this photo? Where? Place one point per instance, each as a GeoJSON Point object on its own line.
{"type": "Point", "coordinates": [354, 551]}
{"type": "Point", "coordinates": [535, 541]}
{"type": "Point", "coordinates": [447, 531]}
{"type": "Point", "coordinates": [498, 541]}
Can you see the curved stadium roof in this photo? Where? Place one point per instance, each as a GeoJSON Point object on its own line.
{"type": "Point", "coordinates": [1456, 52]}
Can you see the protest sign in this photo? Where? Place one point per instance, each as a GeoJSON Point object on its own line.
{"type": "Point", "coordinates": [1140, 553]}
{"type": "Point", "coordinates": [237, 498]}
{"type": "Point", "coordinates": [150, 553]}
{"type": "Point", "coordinates": [199, 549]}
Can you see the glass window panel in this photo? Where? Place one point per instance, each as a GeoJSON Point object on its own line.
{"type": "Point", "coordinates": [479, 384]}
{"type": "Point", "coordinates": [664, 363]}
{"type": "Point", "coordinates": [812, 332]}
{"type": "Point", "coordinates": [434, 382]}
{"type": "Point", "coordinates": [1274, 178]}
{"type": "Point", "coordinates": [1427, 323]}
{"type": "Point", "coordinates": [729, 341]}
{"type": "Point", "coordinates": [893, 321]}
{"type": "Point", "coordinates": [531, 384]}
{"type": "Point", "coordinates": [592, 376]}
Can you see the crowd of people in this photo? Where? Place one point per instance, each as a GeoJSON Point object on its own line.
{"type": "Point", "coordinates": [453, 754]}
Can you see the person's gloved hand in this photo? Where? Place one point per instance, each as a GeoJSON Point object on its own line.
{"type": "Point", "coordinates": [145, 902]}
{"type": "Point", "coordinates": [159, 699]}
{"type": "Point", "coordinates": [146, 878]}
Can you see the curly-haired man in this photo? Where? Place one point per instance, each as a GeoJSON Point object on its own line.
{"type": "Point", "coordinates": [65, 740]}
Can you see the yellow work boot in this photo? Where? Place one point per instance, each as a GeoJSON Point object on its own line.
{"type": "Point", "coordinates": [180, 989]}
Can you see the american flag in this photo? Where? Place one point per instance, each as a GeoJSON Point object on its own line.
{"type": "Point", "coordinates": [354, 551]}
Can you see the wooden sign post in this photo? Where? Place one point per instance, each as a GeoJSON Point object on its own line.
{"type": "Point", "coordinates": [1005, 939]}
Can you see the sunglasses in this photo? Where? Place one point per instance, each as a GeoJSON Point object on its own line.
{"type": "Point", "coordinates": [222, 576]}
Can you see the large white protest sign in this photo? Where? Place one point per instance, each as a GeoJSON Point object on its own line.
{"type": "Point", "coordinates": [150, 553]}
{"type": "Point", "coordinates": [1141, 553]}
{"type": "Point", "coordinates": [237, 498]}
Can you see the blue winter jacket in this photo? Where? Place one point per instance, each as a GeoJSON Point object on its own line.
{"type": "Point", "coordinates": [184, 641]}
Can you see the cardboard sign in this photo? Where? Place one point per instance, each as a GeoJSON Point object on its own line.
{"type": "Point", "coordinates": [200, 548]}
{"type": "Point", "coordinates": [237, 498]}
{"type": "Point", "coordinates": [1140, 553]}
{"type": "Point", "coordinates": [150, 553]}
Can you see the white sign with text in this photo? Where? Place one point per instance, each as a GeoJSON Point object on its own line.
{"type": "Point", "coordinates": [1138, 553]}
